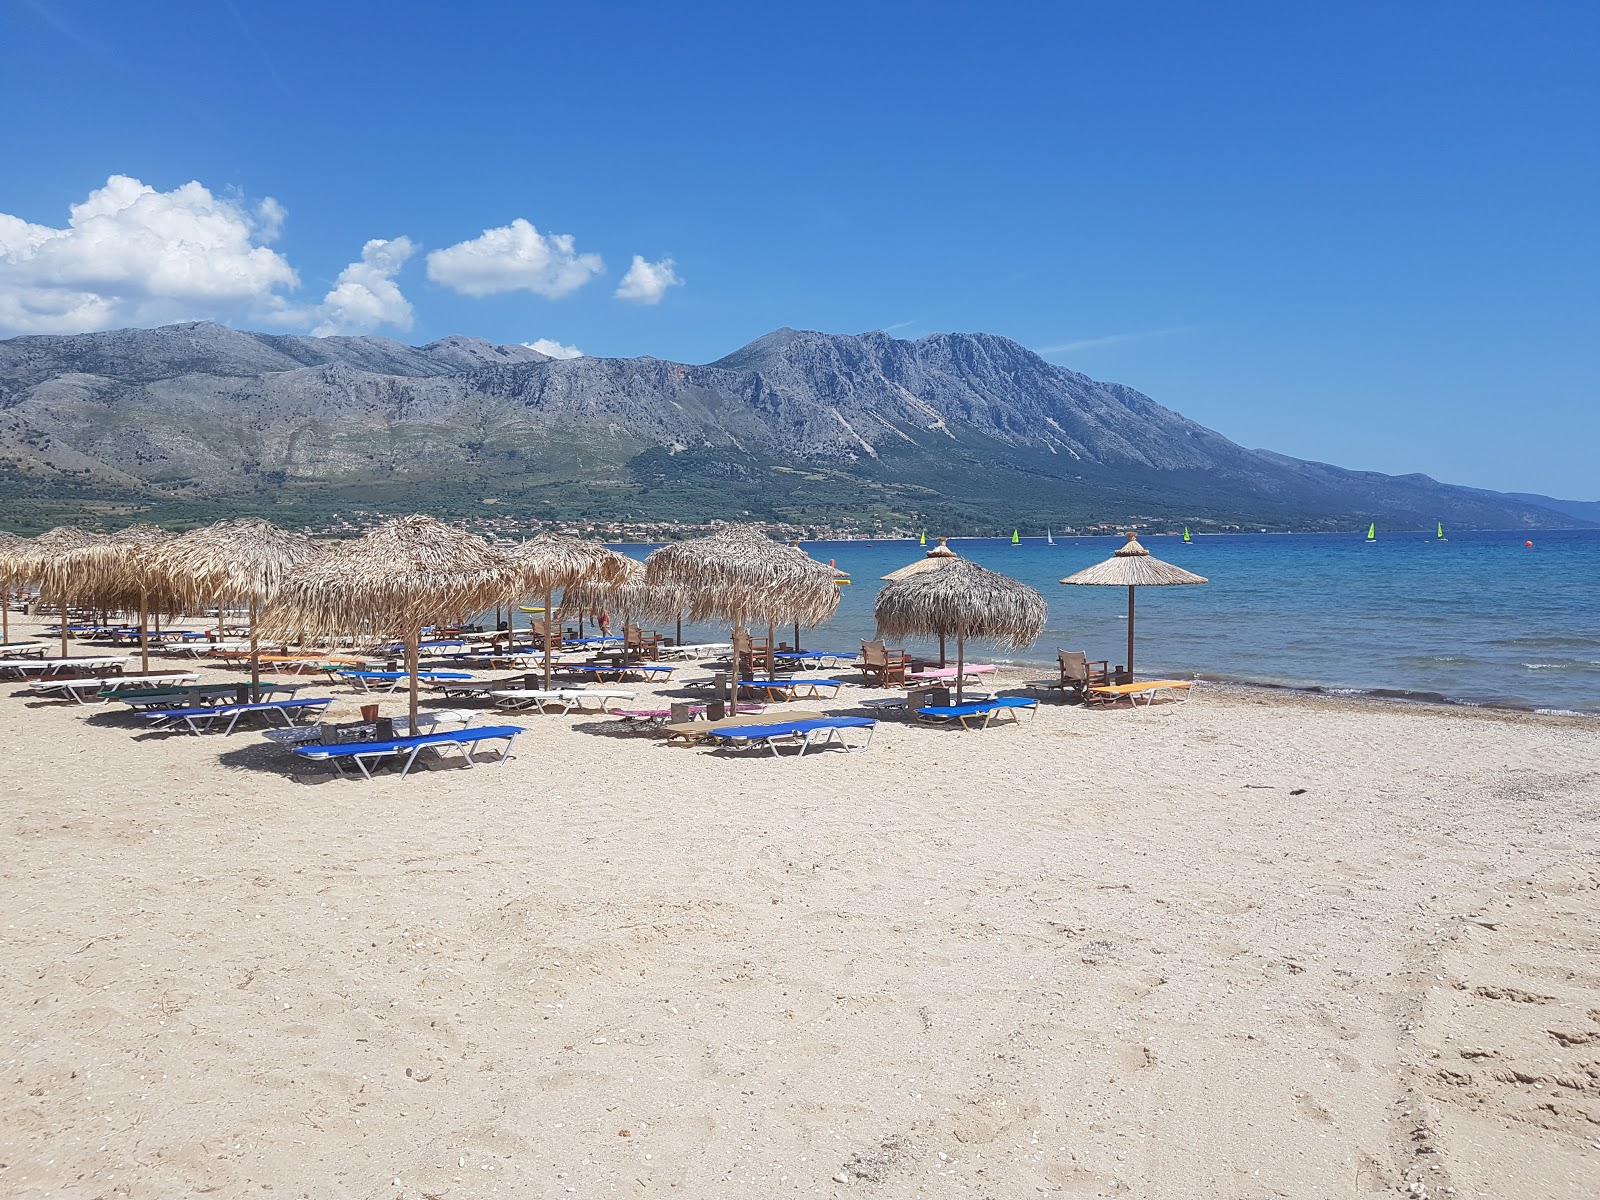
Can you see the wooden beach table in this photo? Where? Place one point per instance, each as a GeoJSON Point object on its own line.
{"type": "Point", "coordinates": [1148, 688]}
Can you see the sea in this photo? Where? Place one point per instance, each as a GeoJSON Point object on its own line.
{"type": "Point", "coordinates": [1482, 617]}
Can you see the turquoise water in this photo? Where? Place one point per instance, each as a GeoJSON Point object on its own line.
{"type": "Point", "coordinates": [1480, 618]}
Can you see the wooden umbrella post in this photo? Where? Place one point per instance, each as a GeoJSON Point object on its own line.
{"type": "Point", "coordinates": [255, 656]}
{"type": "Point", "coordinates": [549, 599]}
{"type": "Point", "coordinates": [144, 631]}
{"type": "Point", "coordinates": [65, 608]}
{"type": "Point", "coordinates": [413, 636]}
{"type": "Point", "coordinates": [961, 661]}
{"type": "Point", "coordinates": [1130, 633]}
{"type": "Point", "coordinates": [733, 689]}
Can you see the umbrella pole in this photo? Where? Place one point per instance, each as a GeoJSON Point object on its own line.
{"type": "Point", "coordinates": [941, 650]}
{"type": "Point", "coordinates": [549, 599]}
{"type": "Point", "coordinates": [797, 637]}
{"type": "Point", "coordinates": [65, 608]}
{"type": "Point", "coordinates": [5, 613]}
{"type": "Point", "coordinates": [961, 660]}
{"type": "Point", "coordinates": [413, 636]}
{"type": "Point", "coordinates": [772, 663]}
{"type": "Point", "coordinates": [678, 641]}
{"type": "Point", "coordinates": [733, 690]}
{"type": "Point", "coordinates": [255, 657]}
{"type": "Point", "coordinates": [1130, 633]}
{"type": "Point", "coordinates": [144, 632]}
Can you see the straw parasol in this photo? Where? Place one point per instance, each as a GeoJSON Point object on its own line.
{"type": "Point", "coordinates": [122, 576]}
{"type": "Point", "coordinates": [403, 575]}
{"type": "Point", "coordinates": [964, 599]}
{"type": "Point", "coordinates": [240, 560]}
{"type": "Point", "coordinates": [634, 598]}
{"type": "Point", "coordinates": [61, 562]}
{"type": "Point", "coordinates": [550, 561]}
{"type": "Point", "coordinates": [938, 555]}
{"type": "Point", "coordinates": [13, 570]}
{"type": "Point", "coordinates": [740, 575]}
{"type": "Point", "coordinates": [1132, 567]}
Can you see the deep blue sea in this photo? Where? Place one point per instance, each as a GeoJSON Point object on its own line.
{"type": "Point", "coordinates": [1479, 618]}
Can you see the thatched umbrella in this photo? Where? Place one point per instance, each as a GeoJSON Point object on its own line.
{"type": "Point", "coordinates": [1130, 567]}
{"type": "Point", "coordinates": [13, 570]}
{"type": "Point", "coordinates": [550, 561]}
{"type": "Point", "coordinates": [403, 575]}
{"type": "Point", "coordinates": [125, 578]}
{"type": "Point", "coordinates": [938, 555]}
{"type": "Point", "coordinates": [742, 576]}
{"type": "Point", "coordinates": [634, 598]}
{"type": "Point", "coordinates": [964, 599]}
{"type": "Point", "coordinates": [244, 560]}
{"type": "Point", "coordinates": [61, 562]}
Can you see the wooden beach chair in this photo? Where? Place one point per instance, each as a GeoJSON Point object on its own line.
{"type": "Point", "coordinates": [882, 667]}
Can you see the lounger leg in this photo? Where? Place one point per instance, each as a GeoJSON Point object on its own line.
{"type": "Point", "coordinates": [228, 732]}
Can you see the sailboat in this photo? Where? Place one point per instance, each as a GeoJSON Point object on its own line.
{"type": "Point", "coordinates": [924, 537]}
{"type": "Point", "coordinates": [1016, 539]}
{"type": "Point", "coordinates": [1439, 536]}
{"type": "Point", "coordinates": [1372, 532]}
{"type": "Point", "coordinates": [1048, 539]}
{"type": "Point", "coordinates": [1186, 537]}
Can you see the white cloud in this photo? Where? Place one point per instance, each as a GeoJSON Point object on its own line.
{"type": "Point", "coordinates": [1115, 339]}
{"type": "Point", "coordinates": [365, 295]}
{"type": "Point", "coordinates": [130, 255]}
{"type": "Point", "coordinates": [514, 257]}
{"type": "Point", "coordinates": [647, 282]}
{"type": "Point", "coordinates": [554, 349]}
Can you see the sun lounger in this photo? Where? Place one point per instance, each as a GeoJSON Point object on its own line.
{"type": "Point", "coordinates": [200, 695]}
{"type": "Point", "coordinates": [697, 650]}
{"type": "Point", "coordinates": [96, 690]}
{"type": "Point", "coordinates": [980, 714]}
{"type": "Point", "coordinates": [21, 668]}
{"type": "Point", "coordinates": [203, 649]}
{"type": "Point", "coordinates": [1149, 689]}
{"type": "Point", "coordinates": [807, 735]}
{"type": "Point", "coordinates": [202, 720]}
{"type": "Point", "coordinates": [689, 733]}
{"type": "Point", "coordinates": [369, 681]}
{"type": "Point", "coordinates": [14, 650]}
{"type": "Point", "coordinates": [564, 700]}
{"type": "Point", "coordinates": [615, 672]}
{"type": "Point", "coordinates": [366, 755]}
{"type": "Point", "coordinates": [791, 689]}
{"type": "Point", "coordinates": [948, 674]}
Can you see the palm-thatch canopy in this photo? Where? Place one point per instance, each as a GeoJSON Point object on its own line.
{"type": "Point", "coordinates": [61, 561]}
{"type": "Point", "coordinates": [240, 560]}
{"type": "Point", "coordinates": [963, 599]}
{"type": "Point", "coordinates": [13, 570]}
{"type": "Point", "coordinates": [395, 579]}
{"type": "Point", "coordinates": [1133, 567]}
{"type": "Point", "coordinates": [938, 555]}
{"type": "Point", "coordinates": [636, 599]}
{"type": "Point", "coordinates": [555, 560]}
{"type": "Point", "coordinates": [740, 575]}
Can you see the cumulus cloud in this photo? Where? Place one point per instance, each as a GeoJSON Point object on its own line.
{"type": "Point", "coordinates": [130, 255]}
{"type": "Point", "coordinates": [514, 257]}
{"type": "Point", "coordinates": [647, 282]}
{"type": "Point", "coordinates": [365, 295]}
{"type": "Point", "coordinates": [554, 349]}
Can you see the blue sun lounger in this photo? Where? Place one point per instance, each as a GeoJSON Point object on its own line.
{"type": "Point", "coordinates": [819, 731]}
{"type": "Point", "coordinates": [202, 720]}
{"type": "Point", "coordinates": [978, 715]}
{"type": "Point", "coordinates": [365, 679]}
{"type": "Point", "coordinates": [365, 755]}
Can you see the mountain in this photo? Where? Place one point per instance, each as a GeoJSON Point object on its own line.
{"type": "Point", "coordinates": [966, 432]}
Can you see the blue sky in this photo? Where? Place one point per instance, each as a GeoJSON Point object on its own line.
{"type": "Point", "coordinates": [1363, 233]}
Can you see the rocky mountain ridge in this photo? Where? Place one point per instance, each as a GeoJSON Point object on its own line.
{"type": "Point", "coordinates": [972, 427]}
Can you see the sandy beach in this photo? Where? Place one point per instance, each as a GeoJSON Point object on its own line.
{"type": "Point", "coordinates": [1257, 945]}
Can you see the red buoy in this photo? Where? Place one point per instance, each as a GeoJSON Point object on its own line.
{"type": "Point", "coordinates": [1527, 543]}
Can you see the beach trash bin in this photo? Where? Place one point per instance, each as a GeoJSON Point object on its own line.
{"type": "Point", "coordinates": [716, 710]}
{"type": "Point", "coordinates": [369, 712]}
{"type": "Point", "coordinates": [681, 713]}
{"type": "Point", "coordinates": [384, 730]}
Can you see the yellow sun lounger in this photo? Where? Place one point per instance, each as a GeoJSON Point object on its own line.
{"type": "Point", "coordinates": [1148, 688]}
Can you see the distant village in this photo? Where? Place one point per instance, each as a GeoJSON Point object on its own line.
{"type": "Point", "coordinates": [510, 529]}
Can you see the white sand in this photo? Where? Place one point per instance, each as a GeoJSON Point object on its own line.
{"type": "Point", "coordinates": [1102, 953]}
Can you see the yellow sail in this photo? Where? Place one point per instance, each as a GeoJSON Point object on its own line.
{"type": "Point", "coordinates": [1372, 532]}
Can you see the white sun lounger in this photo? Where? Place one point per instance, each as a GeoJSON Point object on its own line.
{"type": "Point", "coordinates": [564, 700]}
{"type": "Point", "coordinates": [23, 649]}
{"type": "Point", "coordinates": [21, 668]}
